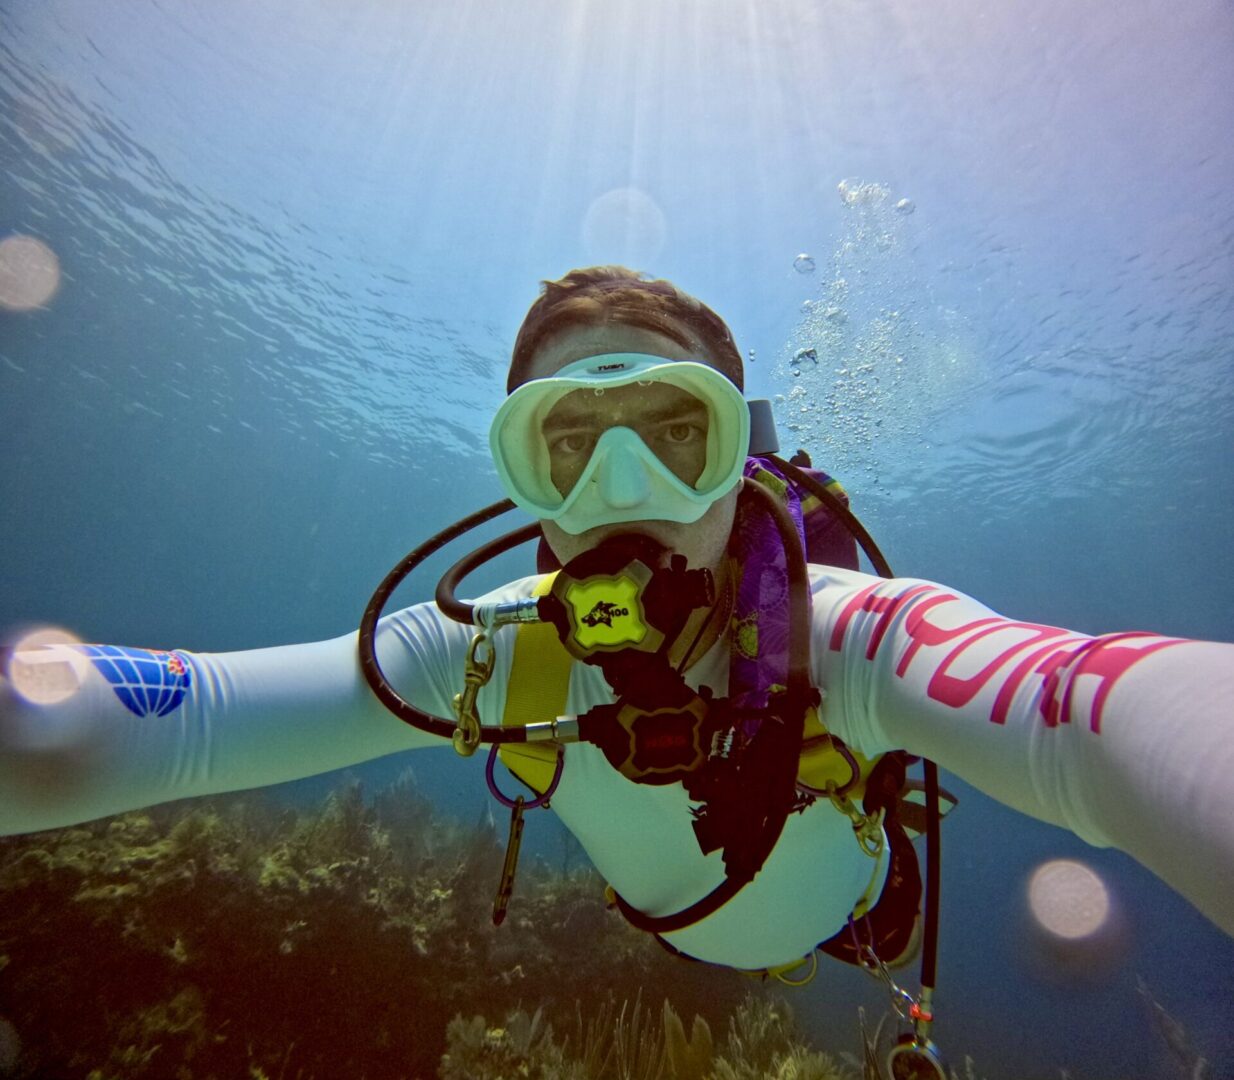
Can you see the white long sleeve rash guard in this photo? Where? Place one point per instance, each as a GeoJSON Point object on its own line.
{"type": "Point", "coordinates": [1127, 740]}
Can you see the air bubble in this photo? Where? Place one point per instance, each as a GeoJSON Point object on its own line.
{"type": "Point", "coordinates": [905, 206]}
{"type": "Point", "coordinates": [803, 264]}
{"type": "Point", "coordinates": [805, 354]}
{"type": "Point", "coordinates": [853, 192]}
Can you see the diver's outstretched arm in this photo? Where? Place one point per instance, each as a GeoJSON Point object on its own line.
{"type": "Point", "coordinates": [126, 728]}
{"type": "Point", "coordinates": [1127, 740]}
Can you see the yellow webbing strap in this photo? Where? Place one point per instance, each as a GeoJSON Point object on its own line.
{"type": "Point", "coordinates": [536, 692]}
{"type": "Point", "coordinates": [821, 762]}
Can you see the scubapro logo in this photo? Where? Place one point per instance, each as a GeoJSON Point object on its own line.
{"type": "Point", "coordinates": [604, 613]}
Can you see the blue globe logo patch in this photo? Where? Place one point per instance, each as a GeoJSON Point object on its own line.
{"type": "Point", "coordinates": [148, 682]}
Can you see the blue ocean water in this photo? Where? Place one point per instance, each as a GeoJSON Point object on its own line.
{"type": "Point", "coordinates": [295, 242]}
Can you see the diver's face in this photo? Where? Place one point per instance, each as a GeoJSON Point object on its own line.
{"type": "Point", "coordinates": [670, 421]}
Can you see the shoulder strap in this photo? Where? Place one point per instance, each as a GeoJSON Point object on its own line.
{"type": "Point", "coordinates": [537, 689]}
{"type": "Point", "coordinates": [824, 758]}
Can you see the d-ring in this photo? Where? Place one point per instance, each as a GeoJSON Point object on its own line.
{"type": "Point", "coordinates": [542, 800]}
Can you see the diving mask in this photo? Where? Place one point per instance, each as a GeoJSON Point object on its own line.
{"type": "Point", "coordinates": [621, 437]}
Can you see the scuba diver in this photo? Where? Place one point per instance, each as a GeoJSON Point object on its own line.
{"type": "Point", "coordinates": [711, 695]}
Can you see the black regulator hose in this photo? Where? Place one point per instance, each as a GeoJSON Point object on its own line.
{"type": "Point", "coordinates": [929, 948]}
{"type": "Point", "coordinates": [450, 604]}
{"type": "Point", "coordinates": [840, 509]}
{"type": "Point", "coordinates": [799, 697]}
{"type": "Point", "coordinates": [373, 674]}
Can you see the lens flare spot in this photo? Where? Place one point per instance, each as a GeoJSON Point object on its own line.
{"type": "Point", "coordinates": [1068, 899]}
{"type": "Point", "coordinates": [624, 225]}
{"type": "Point", "coordinates": [29, 273]}
{"type": "Point", "coordinates": [45, 669]}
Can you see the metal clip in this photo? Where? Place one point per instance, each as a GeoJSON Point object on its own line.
{"type": "Point", "coordinates": [868, 828]}
{"type": "Point", "coordinates": [476, 673]}
{"type": "Point", "coordinates": [914, 1057]}
{"type": "Point", "coordinates": [902, 1002]}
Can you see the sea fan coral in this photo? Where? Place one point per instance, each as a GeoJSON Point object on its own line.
{"type": "Point", "coordinates": [521, 1048]}
{"type": "Point", "coordinates": [763, 1045]}
{"type": "Point", "coordinates": [688, 1059]}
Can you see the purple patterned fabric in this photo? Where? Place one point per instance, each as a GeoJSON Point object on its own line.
{"type": "Point", "coordinates": [759, 628]}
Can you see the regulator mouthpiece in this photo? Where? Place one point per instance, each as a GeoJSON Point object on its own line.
{"type": "Point", "coordinates": [621, 596]}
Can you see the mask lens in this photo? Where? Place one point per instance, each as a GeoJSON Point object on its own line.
{"type": "Point", "coordinates": [671, 422]}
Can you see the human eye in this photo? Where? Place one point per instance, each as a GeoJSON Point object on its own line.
{"type": "Point", "coordinates": [571, 442]}
{"type": "Point", "coordinates": [682, 433]}
{"type": "Point", "coordinates": [685, 429]}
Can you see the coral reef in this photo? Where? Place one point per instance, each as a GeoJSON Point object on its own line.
{"type": "Point", "coordinates": [234, 937]}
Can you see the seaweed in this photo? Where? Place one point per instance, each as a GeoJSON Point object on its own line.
{"type": "Point", "coordinates": [233, 937]}
{"type": "Point", "coordinates": [622, 1042]}
{"type": "Point", "coordinates": [763, 1044]}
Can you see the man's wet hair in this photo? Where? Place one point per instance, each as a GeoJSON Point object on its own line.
{"type": "Point", "coordinates": [608, 295]}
